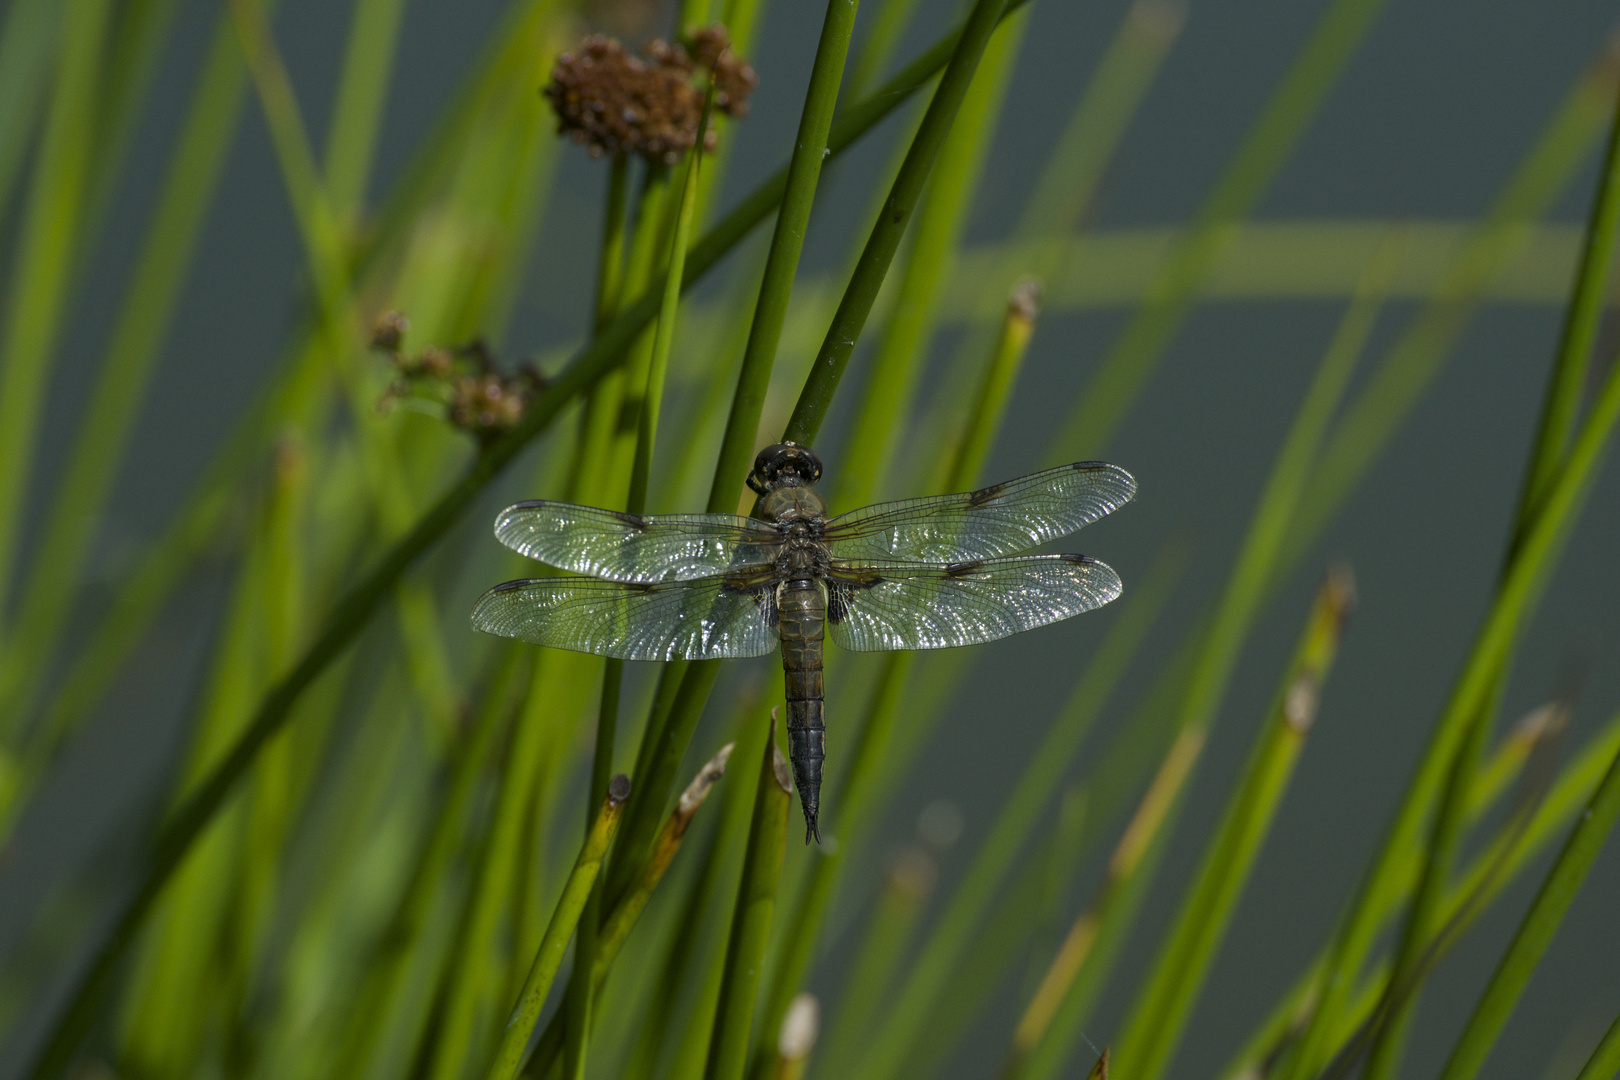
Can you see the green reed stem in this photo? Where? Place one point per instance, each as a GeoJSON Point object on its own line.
{"type": "Point", "coordinates": [859, 296]}
{"type": "Point", "coordinates": [1536, 930]}
{"type": "Point", "coordinates": [1605, 1060]}
{"type": "Point", "coordinates": [1164, 1006]}
{"type": "Point", "coordinates": [751, 922]}
{"type": "Point", "coordinates": [120, 390]}
{"type": "Point", "coordinates": [515, 1037]}
{"type": "Point", "coordinates": [42, 273]}
{"type": "Point", "coordinates": [1273, 136]}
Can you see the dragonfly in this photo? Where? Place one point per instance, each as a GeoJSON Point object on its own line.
{"type": "Point", "coordinates": [925, 573]}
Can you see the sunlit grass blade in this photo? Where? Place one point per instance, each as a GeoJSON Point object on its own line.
{"type": "Point", "coordinates": [782, 260]}
{"type": "Point", "coordinates": [1271, 138]}
{"type": "Point", "coordinates": [564, 918]}
{"type": "Point", "coordinates": [1536, 931]}
{"type": "Point", "coordinates": [1162, 1008]}
{"type": "Point", "coordinates": [1046, 1031]}
{"type": "Point", "coordinates": [751, 921]}
{"type": "Point", "coordinates": [1492, 870]}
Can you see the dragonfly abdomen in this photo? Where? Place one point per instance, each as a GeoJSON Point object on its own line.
{"type": "Point", "coordinates": [801, 615]}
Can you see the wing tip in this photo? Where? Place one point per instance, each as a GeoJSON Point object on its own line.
{"type": "Point", "coordinates": [1129, 481]}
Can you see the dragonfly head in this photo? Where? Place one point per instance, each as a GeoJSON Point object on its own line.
{"type": "Point", "coordinates": [784, 464]}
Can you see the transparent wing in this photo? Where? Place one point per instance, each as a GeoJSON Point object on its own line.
{"type": "Point", "coordinates": [1001, 519]}
{"type": "Point", "coordinates": [631, 547]}
{"type": "Point", "coordinates": [880, 606]}
{"type": "Point", "coordinates": [711, 618]}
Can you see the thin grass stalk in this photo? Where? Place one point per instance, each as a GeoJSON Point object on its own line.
{"type": "Point", "coordinates": [1605, 1060]}
{"type": "Point", "coordinates": [1536, 930]}
{"type": "Point", "coordinates": [42, 271]}
{"type": "Point", "coordinates": [1415, 359]}
{"type": "Point", "coordinates": [891, 387]}
{"type": "Point", "coordinates": [120, 389]}
{"type": "Point", "coordinates": [564, 918]}
{"type": "Point", "coordinates": [1164, 1006]}
{"type": "Point", "coordinates": [861, 292]}
{"type": "Point", "coordinates": [617, 926]}
{"type": "Point", "coordinates": [751, 922]}
{"type": "Point", "coordinates": [1562, 407]}
{"type": "Point", "coordinates": [782, 261]}
{"type": "Point", "coordinates": [401, 938]}
{"type": "Point", "coordinates": [1271, 139]}
{"type": "Point", "coordinates": [1422, 925]}
{"type": "Point", "coordinates": [1045, 1033]}
{"type": "Point", "coordinates": [353, 609]}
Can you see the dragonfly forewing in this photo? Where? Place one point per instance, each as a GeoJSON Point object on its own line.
{"type": "Point", "coordinates": [635, 547]}
{"type": "Point", "coordinates": [1002, 519]}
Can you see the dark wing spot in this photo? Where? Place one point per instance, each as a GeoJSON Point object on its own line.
{"type": "Point", "coordinates": [513, 586]}
{"type": "Point", "coordinates": [644, 587]}
{"type": "Point", "coordinates": [985, 494]}
{"type": "Point", "coordinates": [1078, 560]}
{"type": "Point", "coordinates": [635, 521]}
{"type": "Point", "coordinates": [1089, 466]}
{"type": "Point", "coordinates": [964, 569]}
{"type": "Point", "coordinates": [841, 593]}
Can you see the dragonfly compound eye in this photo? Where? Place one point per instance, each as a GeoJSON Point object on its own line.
{"type": "Point", "coordinates": [788, 458]}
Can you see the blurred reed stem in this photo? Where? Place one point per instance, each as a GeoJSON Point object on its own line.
{"type": "Point", "coordinates": [751, 921]}
{"type": "Point", "coordinates": [515, 1036]}
{"type": "Point", "coordinates": [1125, 369]}
{"type": "Point", "coordinates": [1164, 1005]}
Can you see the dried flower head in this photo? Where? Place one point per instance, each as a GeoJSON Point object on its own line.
{"type": "Point", "coordinates": [463, 384]}
{"type": "Point", "coordinates": [611, 102]}
{"type": "Point", "coordinates": [734, 77]}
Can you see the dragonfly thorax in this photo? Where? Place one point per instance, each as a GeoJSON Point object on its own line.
{"type": "Point", "coordinates": [794, 504]}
